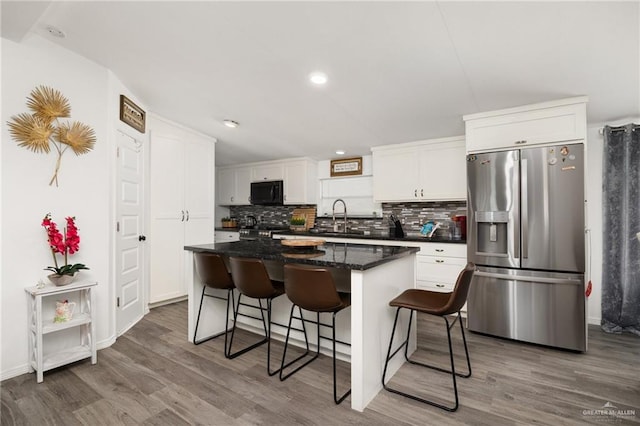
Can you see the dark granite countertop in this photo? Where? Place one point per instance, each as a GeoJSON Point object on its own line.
{"type": "Point", "coordinates": [336, 255]}
{"type": "Point", "coordinates": [373, 236]}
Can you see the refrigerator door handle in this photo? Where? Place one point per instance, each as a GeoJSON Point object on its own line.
{"type": "Point", "coordinates": [525, 210]}
{"type": "Point", "coordinates": [527, 278]}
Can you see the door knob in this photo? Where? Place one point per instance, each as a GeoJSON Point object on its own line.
{"type": "Point", "coordinates": [142, 238]}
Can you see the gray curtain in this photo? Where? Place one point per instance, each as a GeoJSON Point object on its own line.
{"type": "Point", "coordinates": [621, 217]}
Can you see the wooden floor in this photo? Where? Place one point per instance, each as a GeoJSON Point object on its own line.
{"type": "Point", "coordinates": [153, 376]}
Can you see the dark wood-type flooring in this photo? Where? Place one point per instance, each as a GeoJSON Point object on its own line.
{"type": "Point", "coordinates": [153, 376]}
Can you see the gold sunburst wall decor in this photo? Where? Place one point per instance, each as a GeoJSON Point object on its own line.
{"type": "Point", "coordinates": [42, 128]}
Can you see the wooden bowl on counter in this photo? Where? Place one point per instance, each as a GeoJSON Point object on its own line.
{"type": "Point", "coordinates": [306, 243]}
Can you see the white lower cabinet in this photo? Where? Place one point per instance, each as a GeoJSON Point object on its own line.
{"type": "Point", "coordinates": [226, 236]}
{"type": "Point", "coordinates": [56, 343]}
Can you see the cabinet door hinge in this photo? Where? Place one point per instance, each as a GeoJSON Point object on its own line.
{"type": "Point", "coordinates": [117, 302]}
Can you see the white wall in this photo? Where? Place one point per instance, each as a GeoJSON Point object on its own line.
{"type": "Point", "coordinates": [85, 185]}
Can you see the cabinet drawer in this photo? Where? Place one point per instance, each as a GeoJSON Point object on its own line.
{"type": "Point", "coordinates": [226, 236]}
{"type": "Point", "coordinates": [435, 286]}
{"type": "Point", "coordinates": [443, 250]}
{"type": "Point", "coordinates": [445, 269]}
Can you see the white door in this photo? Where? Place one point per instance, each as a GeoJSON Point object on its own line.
{"type": "Point", "coordinates": [129, 233]}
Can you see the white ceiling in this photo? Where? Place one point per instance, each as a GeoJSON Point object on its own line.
{"type": "Point", "coordinates": [398, 71]}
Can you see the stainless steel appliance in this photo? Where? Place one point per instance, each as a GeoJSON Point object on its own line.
{"type": "Point", "coordinates": [260, 232]}
{"type": "Point", "coordinates": [267, 193]}
{"type": "Point", "coordinates": [526, 235]}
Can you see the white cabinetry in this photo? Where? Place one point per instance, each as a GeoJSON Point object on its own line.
{"type": "Point", "coordinates": [549, 122]}
{"type": "Point", "coordinates": [268, 171]}
{"type": "Point", "coordinates": [49, 346]}
{"type": "Point", "coordinates": [433, 170]}
{"type": "Point", "coordinates": [438, 266]}
{"type": "Point", "coordinates": [182, 205]}
{"type": "Point", "coordinates": [234, 186]}
{"type": "Point", "coordinates": [299, 177]}
{"type": "Point", "coordinates": [300, 181]}
{"type": "Point", "coordinates": [226, 236]}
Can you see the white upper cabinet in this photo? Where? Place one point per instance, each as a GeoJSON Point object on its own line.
{"type": "Point", "coordinates": [268, 171]}
{"type": "Point", "coordinates": [300, 178]}
{"type": "Point", "coordinates": [549, 122]}
{"type": "Point", "coordinates": [300, 182]}
{"type": "Point", "coordinates": [234, 186]}
{"type": "Point", "coordinates": [433, 170]}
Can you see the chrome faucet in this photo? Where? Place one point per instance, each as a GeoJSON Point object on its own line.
{"type": "Point", "coordinates": [335, 225]}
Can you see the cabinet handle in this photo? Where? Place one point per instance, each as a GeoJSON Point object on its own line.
{"type": "Point", "coordinates": [285, 198]}
{"type": "Point", "coordinates": [182, 220]}
{"type": "Point", "coordinates": [232, 199]}
{"type": "Point", "coordinates": [440, 285]}
{"type": "Point", "coordinates": [439, 261]}
{"type": "Point", "coordinates": [187, 215]}
{"type": "Point", "coordinates": [422, 192]}
{"type": "Point", "coordinates": [439, 250]}
{"type": "Point", "coordinates": [415, 193]}
{"type": "Point", "coordinates": [520, 142]}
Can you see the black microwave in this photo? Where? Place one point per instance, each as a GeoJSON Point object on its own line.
{"type": "Point", "coordinates": [267, 193]}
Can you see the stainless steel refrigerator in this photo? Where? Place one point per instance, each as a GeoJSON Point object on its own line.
{"type": "Point", "coordinates": [526, 236]}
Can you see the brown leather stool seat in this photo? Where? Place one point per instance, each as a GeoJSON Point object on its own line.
{"type": "Point", "coordinates": [438, 304]}
{"type": "Point", "coordinates": [213, 273]}
{"type": "Point", "coordinates": [252, 280]}
{"type": "Point", "coordinates": [313, 289]}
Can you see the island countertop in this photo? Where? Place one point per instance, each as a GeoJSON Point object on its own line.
{"type": "Point", "coordinates": [336, 255]}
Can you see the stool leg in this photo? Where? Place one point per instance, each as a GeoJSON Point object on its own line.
{"type": "Point", "coordinates": [226, 327]}
{"type": "Point", "coordinates": [233, 330]}
{"type": "Point", "coordinates": [195, 342]}
{"type": "Point", "coordinates": [335, 388]}
{"type": "Point", "coordinates": [466, 350]}
{"type": "Point", "coordinates": [268, 328]}
{"type": "Point", "coordinates": [233, 308]}
{"type": "Point", "coordinates": [452, 371]}
{"type": "Point", "coordinates": [389, 354]}
{"type": "Point", "coordinates": [284, 377]}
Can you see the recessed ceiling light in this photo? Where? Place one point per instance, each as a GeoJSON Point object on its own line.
{"type": "Point", "coordinates": [231, 123]}
{"type": "Point", "coordinates": [340, 152]}
{"type": "Point", "coordinates": [318, 77]}
{"type": "Point", "coordinates": [56, 32]}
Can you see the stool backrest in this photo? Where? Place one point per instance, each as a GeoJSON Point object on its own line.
{"type": "Point", "coordinates": [461, 290]}
{"type": "Point", "coordinates": [251, 277]}
{"type": "Point", "coordinates": [312, 289]}
{"type": "Point", "coordinates": [212, 271]}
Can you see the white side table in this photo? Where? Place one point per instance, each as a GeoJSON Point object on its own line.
{"type": "Point", "coordinates": [39, 326]}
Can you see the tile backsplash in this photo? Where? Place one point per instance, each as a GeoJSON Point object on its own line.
{"type": "Point", "coordinates": [265, 215]}
{"type": "Point", "coordinates": [411, 215]}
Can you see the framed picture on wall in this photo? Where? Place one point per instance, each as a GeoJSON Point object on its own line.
{"type": "Point", "coordinates": [346, 167]}
{"type": "Point", "coordinates": [132, 114]}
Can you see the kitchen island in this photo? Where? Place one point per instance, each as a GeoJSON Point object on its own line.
{"type": "Point", "coordinates": [375, 273]}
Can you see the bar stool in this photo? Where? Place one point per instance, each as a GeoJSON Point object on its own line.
{"type": "Point", "coordinates": [252, 280]}
{"type": "Point", "coordinates": [213, 274]}
{"type": "Point", "coordinates": [313, 289]}
{"type": "Point", "coordinates": [438, 304]}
